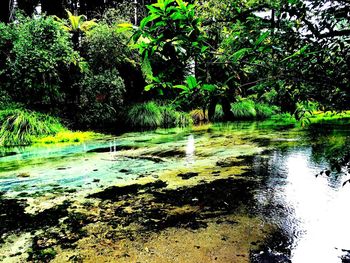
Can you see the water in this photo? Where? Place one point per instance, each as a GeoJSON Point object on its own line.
{"type": "Point", "coordinates": [307, 214]}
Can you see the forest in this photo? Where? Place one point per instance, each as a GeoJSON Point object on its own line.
{"type": "Point", "coordinates": [155, 124]}
{"type": "Point", "coordinates": [102, 66]}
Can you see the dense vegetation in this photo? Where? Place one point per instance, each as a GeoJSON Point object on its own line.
{"type": "Point", "coordinates": [157, 63]}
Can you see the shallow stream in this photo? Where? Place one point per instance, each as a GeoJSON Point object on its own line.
{"type": "Point", "coordinates": [240, 192]}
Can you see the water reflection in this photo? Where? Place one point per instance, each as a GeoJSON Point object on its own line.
{"type": "Point", "coordinates": [316, 208]}
{"type": "Point", "coordinates": [190, 150]}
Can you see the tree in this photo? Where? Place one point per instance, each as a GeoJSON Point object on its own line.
{"type": "Point", "coordinates": [76, 25]}
{"type": "Point", "coordinates": [169, 38]}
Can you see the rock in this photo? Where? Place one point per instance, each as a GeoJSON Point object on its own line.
{"type": "Point", "coordinates": [23, 175]}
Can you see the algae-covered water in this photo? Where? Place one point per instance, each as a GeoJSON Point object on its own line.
{"type": "Point", "coordinates": [240, 192]}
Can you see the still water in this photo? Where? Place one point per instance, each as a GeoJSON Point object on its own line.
{"type": "Point", "coordinates": [275, 180]}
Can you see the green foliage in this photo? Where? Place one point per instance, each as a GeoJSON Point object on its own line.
{"type": "Point", "coordinates": [144, 115]}
{"type": "Point", "coordinates": [264, 111]}
{"type": "Point", "coordinates": [150, 115]}
{"type": "Point", "coordinates": [218, 114]}
{"type": "Point", "coordinates": [76, 23]}
{"type": "Point", "coordinates": [104, 48]}
{"type": "Point", "coordinates": [173, 118]}
{"type": "Point", "coordinates": [39, 58]}
{"type": "Point", "coordinates": [6, 102]}
{"type": "Point", "coordinates": [195, 93]}
{"type": "Point", "coordinates": [20, 127]}
{"type": "Point", "coordinates": [247, 109]}
{"type": "Point", "coordinates": [168, 38]}
{"type": "Point", "coordinates": [101, 98]}
{"type": "Point", "coordinates": [243, 110]}
{"type": "Point", "coordinates": [67, 137]}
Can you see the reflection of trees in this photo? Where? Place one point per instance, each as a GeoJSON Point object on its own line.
{"type": "Point", "coordinates": [331, 145]}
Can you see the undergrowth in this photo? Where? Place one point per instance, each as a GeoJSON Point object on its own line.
{"type": "Point", "coordinates": [150, 115]}
{"type": "Point", "coordinates": [20, 127]}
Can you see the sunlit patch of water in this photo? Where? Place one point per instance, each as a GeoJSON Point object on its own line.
{"type": "Point", "coordinates": [190, 150]}
{"type": "Point", "coordinates": [317, 210]}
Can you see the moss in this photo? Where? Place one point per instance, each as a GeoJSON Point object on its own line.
{"type": "Point", "coordinates": [68, 137]}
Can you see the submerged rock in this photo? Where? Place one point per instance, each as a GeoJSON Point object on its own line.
{"type": "Point", "coordinates": [24, 175]}
{"type": "Point", "coordinates": [120, 192]}
{"type": "Point", "coordinates": [111, 149]}
{"type": "Point", "coordinates": [14, 218]}
{"type": "Point", "coordinates": [219, 195]}
{"type": "Point", "coordinates": [186, 176]}
{"type": "Point", "coordinates": [231, 162]}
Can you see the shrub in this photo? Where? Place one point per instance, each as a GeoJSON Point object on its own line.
{"type": "Point", "coordinates": [101, 97]}
{"type": "Point", "coordinates": [37, 64]}
{"type": "Point", "coordinates": [144, 115]}
{"type": "Point", "coordinates": [20, 127]}
{"type": "Point", "coordinates": [105, 48]}
{"type": "Point", "coordinates": [243, 110]}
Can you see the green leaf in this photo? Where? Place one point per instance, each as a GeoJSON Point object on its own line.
{"type": "Point", "coordinates": [124, 27]}
{"type": "Point", "coordinates": [208, 87]}
{"type": "Point", "coordinates": [148, 19]}
{"type": "Point", "coordinates": [177, 16]}
{"type": "Point", "coordinates": [262, 38]}
{"type": "Point", "coordinates": [191, 82]}
{"type": "Point", "coordinates": [182, 87]}
{"type": "Point", "coordinates": [298, 53]}
{"type": "Point", "coordinates": [149, 87]}
{"type": "Point", "coordinates": [239, 54]}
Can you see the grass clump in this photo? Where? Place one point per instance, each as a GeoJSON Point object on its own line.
{"type": "Point", "coordinates": [218, 114]}
{"type": "Point", "coordinates": [199, 116]}
{"type": "Point", "coordinates": [20, 127]}
{"type": "Point", "coordinates": [150, 115]}
{"type": "Point", "coordinates": [144, 115]}
{"type": "Point", "coordinates": [264, 111]}
{"type": "Point", "coordinates": [243, 110]}
{"type": "Point", "coordinates": [249, 110]}
{"type": "Point", "coordinates": [173, 118]}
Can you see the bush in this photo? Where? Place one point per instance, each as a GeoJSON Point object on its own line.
{"type": "Point", "coordinates": [20, 127]}
{"type": "Point", "coordinates": [243, 110]}
{"type": "Point", "coordinates": [144, 115]}
{"type": "Point", "coordinates": [101, 98]}
{"type": "Point", "coordinates": [37, 64]}
{"type": "Point", "coordinates": [104, 48]}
